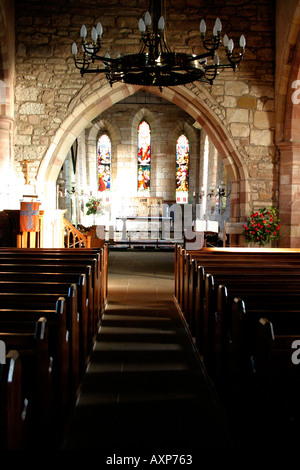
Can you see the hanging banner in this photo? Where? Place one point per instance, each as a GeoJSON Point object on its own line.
{"type": "Point", "coordinates": [29, 217]}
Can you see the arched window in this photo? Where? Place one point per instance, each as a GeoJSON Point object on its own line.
{"type": "Point", "coordinates": [182, 169]}
{"type": "Point", "coordinates": [144, 157]}
{"type": "Point", "coordinates": [104, 162]}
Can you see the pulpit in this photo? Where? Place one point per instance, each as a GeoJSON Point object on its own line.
{"type": "Point", "coordinates": [48, 232]}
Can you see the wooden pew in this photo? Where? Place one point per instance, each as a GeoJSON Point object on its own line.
{"type": "Point", "coordinates": [215, 257]}
{"type": "Point", "coordinates": [69, 265]}
{"type": "Point", "coordinates": [37, 290]}
{"type": "Point", "coordinates": [259, 297]}
{"type": "Point", "coordinates": [101, 255]}
{"type": "Point", "coordinates": [233, 292]}
{"type": "Point", "coordinates": [58, 349]}
{"type": "Point", "coordinates": [269, 378]}
{"type": "Point", "coordinates": [35, 284]}
{"type": "Point", "coordinates": [65, 256]}
{"type": "Point", "coordinates": [243, 276]}
{"type": "Point", "coordinates": [238, 320]}
{"type": "Point", "coordinates": [278, 376]}
{"type": "Point", "coordinates": [61, 269]}
{"type": "Point", "coordinates": [83, 289]}
{"type": "Point", "coordinates": [31, 340]}
{"type": "Point", "coordinates": [247, 264]}
{"type": "Point", "coordinates": [274, 363]}
{"type": "Point", "coordinates": [36, 301]}
{"type": "Point", "coordinates": [13, 421]}
{"type": "Point", "coordinates": [222, 272]}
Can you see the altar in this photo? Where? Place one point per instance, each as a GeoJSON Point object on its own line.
{"type": "Point", "coordinates": [143, 227]}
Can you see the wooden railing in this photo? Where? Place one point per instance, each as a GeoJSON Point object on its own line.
{"type": "Point", "coordinates": [74, 238]}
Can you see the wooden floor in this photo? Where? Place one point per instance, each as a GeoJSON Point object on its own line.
{"type": "Point", "coordinates": [145, 390]}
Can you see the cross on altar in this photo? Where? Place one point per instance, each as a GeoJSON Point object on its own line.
{"type": "Point", "coordinates": [29, 213]}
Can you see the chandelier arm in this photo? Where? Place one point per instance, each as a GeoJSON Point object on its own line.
{"type": "Point", "coordinates": [91, 49]}
{"type": "Point", "coordinates": [210, 73]}
{"type": "Point", "coordinates": [82, 64]}
{"type": "Point", "coordinates": [105, 59]}
{"type": "Point", "coordinates": [212, 44]}
{"type": "Point", "coordinates": [164, 45]}
{"type": "Point", "coordinates": [143, 48]}
{"type": "Point", "coordinates": [148, 42]}
{"type": "Point", "coordinates": [204, 55]}
{"type": "Point", "coordinates": [235, 58]}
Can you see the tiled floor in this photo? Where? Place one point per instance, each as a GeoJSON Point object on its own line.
{"type": "Point", "coordinates": [145, 390]}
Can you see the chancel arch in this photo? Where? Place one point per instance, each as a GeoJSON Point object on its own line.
{"type": "Point", "coordinates": [201, 115]}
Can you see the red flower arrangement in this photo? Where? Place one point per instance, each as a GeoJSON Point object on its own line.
{"type": "Point", "coordinates": [263, 227]}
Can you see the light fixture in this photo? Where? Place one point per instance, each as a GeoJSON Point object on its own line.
{"type": "Point", "coordinates": [221, 196]}
{"type": "Point", "coordinates": [155, 64]}
{"type": "Point", "coordinates": [221, 189]}
{"type": "Point", "coordinates": [211, 192]}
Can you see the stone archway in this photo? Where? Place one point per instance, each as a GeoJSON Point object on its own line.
{"type": "Point", "coordinates": [87, 108]}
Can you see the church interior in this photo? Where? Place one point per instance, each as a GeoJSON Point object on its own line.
{"type": "Point", "coordinates": [149, 225]}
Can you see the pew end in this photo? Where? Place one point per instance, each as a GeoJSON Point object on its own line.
{"type": "Point", "coordinates": [13, 404]}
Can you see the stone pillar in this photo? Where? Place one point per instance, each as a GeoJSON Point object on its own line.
{"type": "Point", "coordinates": [289, 194]}
{"type": "Point", "coordinates": [6, 155]}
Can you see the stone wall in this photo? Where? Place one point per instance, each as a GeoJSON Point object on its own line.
{"type": "Point", "coordinates": [48, 87]}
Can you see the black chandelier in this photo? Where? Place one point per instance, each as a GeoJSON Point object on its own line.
{"type": "Point", "coordinates": [155, 64]}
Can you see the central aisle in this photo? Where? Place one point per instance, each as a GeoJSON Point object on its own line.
{"type": "Point", "coordinates": [145, 390]}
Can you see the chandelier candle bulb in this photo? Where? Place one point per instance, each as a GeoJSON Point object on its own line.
{"type": "Point", "coordinates": [217, 27]}
{"type": "Point", "coordinates": [74, 48]}
{"type": "Point", "coordinates": [99, 29]}
{"type": "Point", "coordinates": [148, 19]}
{"type": "Point", "coordinates": [218, 24]}
{"type": "Point", "coordinates": [242, 41]}
{"type": "Point", "coordinates": [230, 45]}
{"type": "Point", "coordinates": [83, 31]}
{"type": "Point", "coordinates": [142, 26]}
{"type": "Point", "coordinates": [94, 34]}
{"type": "Point", "coordinates": [202, 27]}
{"type": "Point", "coordinates": [161, 23]}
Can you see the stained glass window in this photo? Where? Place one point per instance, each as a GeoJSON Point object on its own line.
{"type": "Point", "coordinates": [182, 169]}
{"type": "Point", "coordinates": [144, 157]}
{"type": "Point", "coordinates": [104, 162]}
